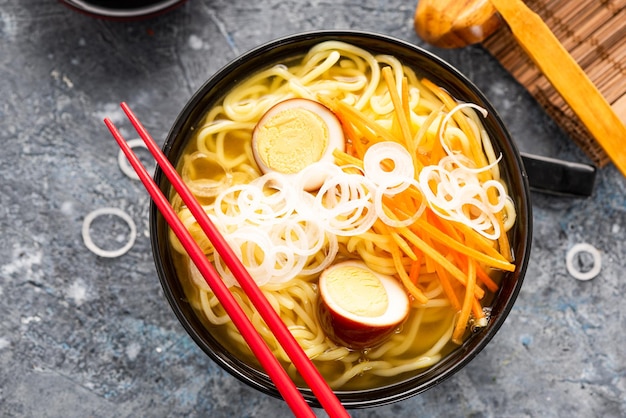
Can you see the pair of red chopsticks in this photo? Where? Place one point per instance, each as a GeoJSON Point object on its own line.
{"type": "Point", "coordinates": [259, 347]}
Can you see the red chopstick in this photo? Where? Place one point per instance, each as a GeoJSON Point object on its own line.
{"type": "Point", "coordinates": [260, 349]}
{"type": "Point", "coordinates": [311, 375]}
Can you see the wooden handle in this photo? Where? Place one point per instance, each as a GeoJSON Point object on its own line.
{"type": "Point", "coordinates": [455, 23]}
{"type": "Point", "coordinates": [567, 77]}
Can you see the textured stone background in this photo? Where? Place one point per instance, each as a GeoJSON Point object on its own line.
{"type": "Point", "coordinates": [82, 336]}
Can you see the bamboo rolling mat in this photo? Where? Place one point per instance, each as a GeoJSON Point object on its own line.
{"type": "Point", "coordinates": [594, 33]}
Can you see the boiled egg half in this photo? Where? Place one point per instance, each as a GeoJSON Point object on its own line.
{"type": "Point", "coordinates": [358, 307]}
{"type": "Point", "coordinates": [293, 135]}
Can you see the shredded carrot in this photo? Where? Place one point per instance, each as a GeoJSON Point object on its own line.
{"type": "Point", "coordinates": [460, 257]}
{"type": "Point", "coordinates": [343, 158]}
{"type": "Point", "coordinates": [464, 315]}
{"type": "Point", "coordinates": [416, 267]}
{"type": "Point", "coordinates": [481, 243]}
{"type": "Point", "coordinates": [438, 258]}
{"type": "Point", "coordinates": [478, 312]}
{"type": "Point", "coordinates": [496, 260]}
{"type": "Point", "coordinates": [404, 277]}
{"type": "Point", "coordinates": [370, 130]}
{"type": "Point", "coordinates": [446, 285]}
{"type": "Point", "coordinates": [478, 156]}
{"type": "Point", "coordinates": [485, 279]}
{"type": "Point", "coordinates": [450, 103]}
{"type": "Point", "coordinates": [441, 237]}
{"type": "Point", "coordinates": [396, 238]}
{"type": "Point", "coordinates": [357, 147]}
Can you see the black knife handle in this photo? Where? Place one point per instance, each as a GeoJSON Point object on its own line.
{"type": "Point", "coordinates": [550, 175]}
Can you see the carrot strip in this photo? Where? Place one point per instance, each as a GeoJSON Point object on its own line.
{"type": "Point", "coordinates": [476, 240]}
{"type": "Point", "coordinates": [343, 158]}
{"type": "Point", "coordinates": [349, 147]}
{"type": "Point", "coordinates": [446, 285]}
{"type": "Point", "coordinates": [442, 238]}
{"type": "Point", "coordinates": [485, 279]}
{"type": "Point", "coordinates": [477, 154]}
{"type": "Point", "coordinates": [479, 158]}
{"type": "Point", "coordinates": [464, 315]}
{"type": "Point", "coordinates": [396, 238]}
{"type": "Point", "coordinates": [404, 277]}
{"type": "Point", "coordinates": [459, 256]}
{"type": "Point", "coordinates": [369, 128]}
{"type": "Point", "coordinates": [438, 258]}
{"type": "Point", "coordinates": [438, 235]}
{"type": "Point", "coordinates": [357, 147]}
{"type": "Point", "coordinates": [479, 313]}
{"type": "Point", "coordinates": [416, 266]}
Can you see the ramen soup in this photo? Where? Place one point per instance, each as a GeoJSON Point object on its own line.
{"type": "Point", "coordinates": [365, 201]}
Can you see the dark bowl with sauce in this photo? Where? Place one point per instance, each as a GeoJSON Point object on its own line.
{"type": "Point", "coordinates": [440, 73]}
{"type": "Point", "coordinates": [123, 9]}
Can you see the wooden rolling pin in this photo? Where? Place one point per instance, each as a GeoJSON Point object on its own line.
{"type": "Point", "coordinates": [458, 23]}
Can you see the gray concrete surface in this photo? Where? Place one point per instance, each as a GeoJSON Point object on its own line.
{"type": "Point", "coordinates": [83, 336]}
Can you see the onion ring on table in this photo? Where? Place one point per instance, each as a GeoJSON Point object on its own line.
{"type": "Point", "coordinates": [123, 162]}
{"type": "Point", "coordinates": [583, 248]}
{"type": "Point", "coordinates": [108, 211]}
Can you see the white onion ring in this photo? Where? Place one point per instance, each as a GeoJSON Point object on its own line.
{"type": "Point", "coordinates": [282, 201]}
{"type": "Point", "coordinates": [331, 252]}
{"type": "Point", "coordinates": [321, 169]}
{"type": "Point", "coordinates": [457, 188]}
{"type": "Point", "coordinates": [289, 264]}
{"type": "Point", "coordinates": [583, 275]}
{"type": "Point", "coordinates": [355, 201]}
{"type": "Point", "coordinates": [108, 211]}
{"type": "Point", "coordinates": [402, 170]}
{"type": "Point", "coordinates": [454, 155]}
{"type": "Point", "coordinates": [234, 194]}
{"type": "Point", "coordinates": [197, 277]}
{"type": "Point", "coordinates": [251, 237]}
{"type": "Point", "coordinates": [309, 235]}
{"type": "Point", "coordinates": [122, 161]}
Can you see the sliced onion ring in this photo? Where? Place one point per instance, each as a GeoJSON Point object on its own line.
{"type": "Point", "coordinates": [402, 169]}
{"type": "Point", "coordinates": [108, 211]}
{"type": "Point", "coordinates": [380, 211]}
{"type": "Point", "coordinates": [123, 162]}
{"type": "Point", "coordinates": [454, 155]}
{"type": "Point", "coordinates": [583, 275]}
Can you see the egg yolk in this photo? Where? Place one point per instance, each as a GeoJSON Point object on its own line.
{"type": "Point", "coordinates": [357, 291]}
{"type": "Point", "coordinates": [291, 140]}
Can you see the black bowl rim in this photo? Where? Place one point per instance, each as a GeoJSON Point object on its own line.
{"type": "Point", "coordinates": [462, 355]}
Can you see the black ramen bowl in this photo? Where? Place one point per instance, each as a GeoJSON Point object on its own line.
{"type": "Point", "coordinates": [440, 73]}
{"type": "Point", "coordinates": [123, 9]}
